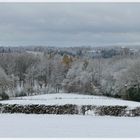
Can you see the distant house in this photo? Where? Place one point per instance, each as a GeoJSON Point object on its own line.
{"type": "Point", "coordinates": [94, 53]}
{"type": "Point", "coordinates": [129, 51]}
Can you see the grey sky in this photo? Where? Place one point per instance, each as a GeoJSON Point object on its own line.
{"type": "Point", "coordinates": [62, 24]}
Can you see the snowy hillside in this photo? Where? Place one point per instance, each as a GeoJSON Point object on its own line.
{"type": "Point", "coordinates": [77, 99]}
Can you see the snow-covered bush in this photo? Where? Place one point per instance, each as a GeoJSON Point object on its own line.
{"type": "Point", "coordinates": [4, 96]}
{"type": "Point", "coordinates": [20, 94]}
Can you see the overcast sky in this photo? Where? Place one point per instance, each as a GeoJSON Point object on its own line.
{"type": "Point", "coordinates": [70, 24]}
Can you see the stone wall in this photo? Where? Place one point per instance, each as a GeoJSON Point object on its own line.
{"type": "Point", "coordinates": [38, 109]}
{"type": "Point", "coordinates": [70, 109]}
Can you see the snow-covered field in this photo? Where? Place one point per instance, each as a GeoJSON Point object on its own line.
{"type": "Point", "coordinates": [63, 98]}
{"type": "Point", "coordinates": [21, 125]}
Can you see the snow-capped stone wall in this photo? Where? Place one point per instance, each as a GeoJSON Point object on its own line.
{"type": "Point", "coordinates": [70, 109]}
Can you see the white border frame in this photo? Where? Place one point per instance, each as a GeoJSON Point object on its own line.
{"type": "Point", "coordinates": [75, 1]}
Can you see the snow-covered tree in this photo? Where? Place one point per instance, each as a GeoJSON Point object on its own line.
{"type": "Point", "coordinates": [22, 63]}
{"type": "Point", "coordinates": [5, 84]}
{"type": "Point", "coordinates": [80, 78]}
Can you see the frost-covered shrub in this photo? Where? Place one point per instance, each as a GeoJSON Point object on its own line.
{"type": "Point", "coordinates": [4, 96]}
{"type": "Point", "coordinates": [132, 93]}
{"type": "Point", "coordinates": [20, 94]}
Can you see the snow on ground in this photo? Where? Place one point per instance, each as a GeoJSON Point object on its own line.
{"type": "Point", "coordinates": [21, 125]}
{"type": "Point", "coordinates": [63, 98]}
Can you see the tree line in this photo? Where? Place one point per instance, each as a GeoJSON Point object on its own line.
{"type": "Point", "coordinates": [24, 74]}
